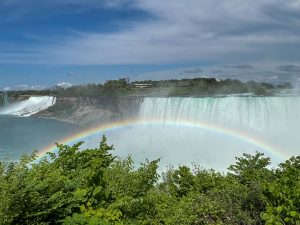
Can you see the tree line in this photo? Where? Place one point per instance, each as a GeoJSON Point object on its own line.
{"type": "Point", "coordinates": [181, 87]}
{"type": "Point", "coordinates": [169, 88]}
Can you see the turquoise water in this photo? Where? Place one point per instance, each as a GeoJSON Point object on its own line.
{"type": "Point", "coordinates": [19, 135]}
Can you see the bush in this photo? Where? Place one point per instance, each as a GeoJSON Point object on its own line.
{"type": "Point", "coordinates": [94, 187]}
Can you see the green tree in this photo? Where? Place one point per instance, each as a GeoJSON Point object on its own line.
{"type": "Point", "coordinates": [251, 169]}
{"type": "Point", "coordinates": [283, 194]}
{"type": "Point", "coordinates": [50, 190]}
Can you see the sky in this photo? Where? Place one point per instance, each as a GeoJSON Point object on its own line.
{"type": "Point", "coordinates": [44, 43]}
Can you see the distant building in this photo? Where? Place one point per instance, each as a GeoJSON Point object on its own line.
{"type": "Point", "coordinates": [138, 85]}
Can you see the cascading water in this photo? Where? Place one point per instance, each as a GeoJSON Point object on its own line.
{"type": "Point", "coordinates": [272, 123]}
{"type": "Point", "coordinates": [5, 99]}
{"type": "Point", "coordinates": [28, 107]}
{"type": "Point", "coordinates": [257, 113]}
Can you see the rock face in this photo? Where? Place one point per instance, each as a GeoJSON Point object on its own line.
{"type": "Point", "coordinates": [13, 99]}
{"type": "Point", "coordinates": [86, 111]}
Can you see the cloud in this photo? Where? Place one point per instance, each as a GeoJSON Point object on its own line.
{"type": "Point", "coordinates": [217, 71]}
{"type": "Point", "coordinates": [7, 89]}
{"type": "Point", "coordinates": [178, 32]}
{"type": "Point", "coordinates": [24, 87]}
{"type": "Point", "coordinates": [21, 86]}
{"type": "Point", "coordinates": [17, 11]}
{"type": "Point", "coordinates": [242, 66]}
{"type": "Point", "coordinates": [273, 77]}
{"type": "Point", "coordinates": [64, 85]}
{"type": "Point", "coordinates": [259, 72]}
{"type": "Point", "coordinates": [192, 71]}
{"type": "Point", "coordinates": [38, 87]}
{"type": "Point", "coordinates": [289, 68]}
{"type": "Point", "coordinates": [34, 5]}
{"type": "Point", "coordinates": [72, 74]}
{"type": "Point", "coordinates": [28, 87]}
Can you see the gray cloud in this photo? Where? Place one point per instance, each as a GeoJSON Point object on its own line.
{"type": "Point", "coordinates": [260, 72]}
{"type": "Point", "coordinates": [289, 68]}
{"type": "Point", "coordinates": [242, 66]}
{"type": "Point", "coordinates": [216, 71]}
{"type": "Point", "coordinates": [285, 13]}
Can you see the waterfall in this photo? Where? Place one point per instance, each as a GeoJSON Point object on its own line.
{"type": "Point", "coordinates": [28, 107]}
{"type": "Point", "coordinates": [274, 121]}
{"type": "Point", "coordinates": [258, 113]}
{"type": "Point", "coordinates": [271, 123]}
{"type": "Point", "coordinates": [5, 99]}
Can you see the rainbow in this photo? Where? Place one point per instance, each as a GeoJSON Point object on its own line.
{"type": "Point", "coordinates": [245, 137]}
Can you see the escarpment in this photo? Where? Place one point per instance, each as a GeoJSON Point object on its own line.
{"type": "Point", "coordinates": [86, 111]}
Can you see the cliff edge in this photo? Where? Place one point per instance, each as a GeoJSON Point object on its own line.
{"type": "Point", "coordinates": [86, 111]}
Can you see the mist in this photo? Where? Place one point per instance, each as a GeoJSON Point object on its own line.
{"type": "Point", "coordinates": [270, 120]}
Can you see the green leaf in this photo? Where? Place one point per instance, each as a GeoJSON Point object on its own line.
{"type": "Point", "coordinates": [279, 209]}
{"type": "Point", "coordinates": [293, 213]}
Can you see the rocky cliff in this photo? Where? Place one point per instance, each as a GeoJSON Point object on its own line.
{"type": "Point", "coordinates": [14, 98]}
{"type": "Point", "coordinates": [86, 111]}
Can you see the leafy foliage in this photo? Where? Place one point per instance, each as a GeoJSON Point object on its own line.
{"type": "Point", "coordinates": [94, 187]}
{"type": "Point", "coordinates": [283, 194]}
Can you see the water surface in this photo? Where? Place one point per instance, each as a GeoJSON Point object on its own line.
{"type": "Point", "coordinates": [19, 135]}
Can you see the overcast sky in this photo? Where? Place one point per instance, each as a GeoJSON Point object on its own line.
{"type": "Point", "coordinates": [46, 42]}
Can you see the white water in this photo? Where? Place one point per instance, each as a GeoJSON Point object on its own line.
{"type": "Point", "coordinates": [272, 120]}
{"type": "Point", "coordinates": [28, 107]}
{"type": "Point", "coordinates": [257, 113]}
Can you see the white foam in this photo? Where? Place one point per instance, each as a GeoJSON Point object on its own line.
{"type": "Point", "coordinates": [29, 107]}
